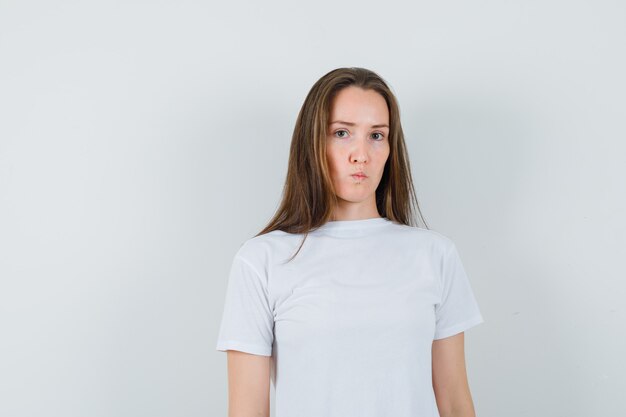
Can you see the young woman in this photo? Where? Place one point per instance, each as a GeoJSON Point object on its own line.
{"type": "Point", "coordinates": [345, 305]}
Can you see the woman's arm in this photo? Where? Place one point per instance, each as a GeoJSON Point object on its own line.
{"type": "Point", "coordinates": [450, 378]}
{"type": "Point", "coordinates": [248, 384]}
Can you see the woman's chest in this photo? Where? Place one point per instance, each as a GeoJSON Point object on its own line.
{"type": "Point", "coordinates": [357, 302]}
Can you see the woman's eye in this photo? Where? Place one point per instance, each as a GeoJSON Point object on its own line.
{"type": "Point", "coordinates": [380, 136]}
{"type": "Point", "coordinates": [340, 131]}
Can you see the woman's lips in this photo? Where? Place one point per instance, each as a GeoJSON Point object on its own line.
{"type": "Point", "coordinates": [359, 176]}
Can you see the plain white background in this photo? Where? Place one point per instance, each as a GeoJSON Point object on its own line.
{"type": "Point", "coordinates": [142, 142]}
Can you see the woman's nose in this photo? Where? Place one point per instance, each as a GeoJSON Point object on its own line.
{"type": "Point", "coordinates": [359, 152]}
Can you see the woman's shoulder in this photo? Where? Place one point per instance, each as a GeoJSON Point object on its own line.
{"type": "Point", "coordinates": [421, 238]}
{"type": "Point", "coordinates": [423, 233]}
{"type": "Point", "coordinates": [258, 248]}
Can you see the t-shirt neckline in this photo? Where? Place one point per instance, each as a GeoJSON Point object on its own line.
{"type": "Point", "coordinates": [355, 224]}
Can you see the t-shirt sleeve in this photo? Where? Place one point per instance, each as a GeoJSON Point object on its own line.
{"type": "Point", "coordinates": [458, 309]}
{"type": "Point", "coordinates": [247, 321]}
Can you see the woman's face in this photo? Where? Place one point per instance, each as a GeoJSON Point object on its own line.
{"type": "Point", "coordinates": [357, 141]}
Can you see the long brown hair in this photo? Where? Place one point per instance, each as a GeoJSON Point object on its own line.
{"type": "Point", "coordinates": [308, 193]}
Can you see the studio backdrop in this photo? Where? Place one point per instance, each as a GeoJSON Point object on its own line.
{"type": "Point", "coordinates": [141, 143]}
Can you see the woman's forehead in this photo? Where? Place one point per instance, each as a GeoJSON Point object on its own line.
{"type": "Point", "coordinates": [354, 105]}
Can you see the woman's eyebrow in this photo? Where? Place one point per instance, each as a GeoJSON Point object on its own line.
{"type": "Point", "coordinates": [352, 124]}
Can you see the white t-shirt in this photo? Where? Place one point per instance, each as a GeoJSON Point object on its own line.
{"type": "Point", "coordinates": [350, 321]}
